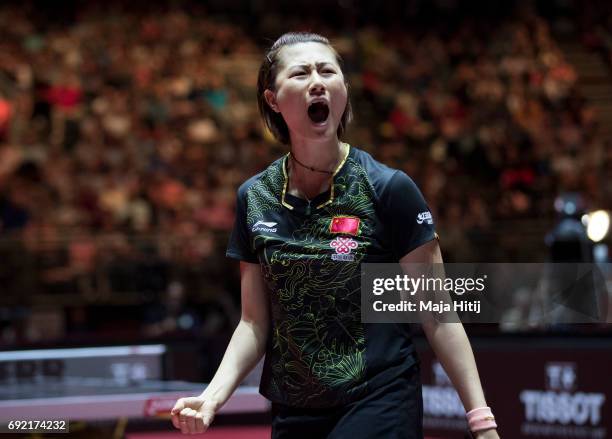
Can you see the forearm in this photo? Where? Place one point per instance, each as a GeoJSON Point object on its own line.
{"type": "Point", "coordinates": [452, 348]}
{"type": "Point", "coordinates": [243, 352]}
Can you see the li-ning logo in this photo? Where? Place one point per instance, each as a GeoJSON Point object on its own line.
{"type": "Point", "coordinates": [424, 217]}
{"type": "Point", "coordinates": [343, 247]}
{"type": "Point", "coordinates": [262, 226]}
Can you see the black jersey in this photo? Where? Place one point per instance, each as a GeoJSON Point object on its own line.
{"type": "Point", "coordinates": [319, 354]}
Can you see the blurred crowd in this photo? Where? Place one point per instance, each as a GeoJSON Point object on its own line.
{"type": "Point", "coordinates": [124, 135]}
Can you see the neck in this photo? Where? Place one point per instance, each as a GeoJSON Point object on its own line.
{"type": "Point", "coordinates": [324, 156]}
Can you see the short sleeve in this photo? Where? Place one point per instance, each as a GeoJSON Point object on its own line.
{"type": "Point", "coordinates": [407, 215]}
{"type": "Point", "coordinates": [239, 246]}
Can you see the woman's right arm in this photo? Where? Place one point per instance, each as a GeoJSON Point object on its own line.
{"type": "Point", "coordinates": [245, 349]}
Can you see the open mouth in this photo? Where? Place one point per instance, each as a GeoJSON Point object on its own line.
{"type": "Point", "coordinates": [318, 112]}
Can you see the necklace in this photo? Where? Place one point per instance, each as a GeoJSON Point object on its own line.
{"type": "Point", "coordinates": [322, 171]}
{"type": "Point", "coordinates": [309, 201]}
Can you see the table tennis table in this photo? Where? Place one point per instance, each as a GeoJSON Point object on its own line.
{"type": "Point", "coordinates": [99, 386]}
{"type": "Point", "coordinates": [107, 406]}
{"type": "Point", "coordinates": [106, 399]}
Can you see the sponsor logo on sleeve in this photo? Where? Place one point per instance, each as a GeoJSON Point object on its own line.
{"type": "Point", "coordinates": [424, 217]}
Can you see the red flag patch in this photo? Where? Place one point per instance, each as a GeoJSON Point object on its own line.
{"type": "Point", "coordinates": [345, 224]}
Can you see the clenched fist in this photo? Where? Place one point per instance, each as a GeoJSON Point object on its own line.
{"type": "Point", "coordinates": [194, 414]}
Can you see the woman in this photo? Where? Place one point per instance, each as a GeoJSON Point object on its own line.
{"type": "Point", "coordinates": [303, 227]}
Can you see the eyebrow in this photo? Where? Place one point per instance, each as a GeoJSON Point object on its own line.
{"type": "Point", "coordinates": [318, 65]}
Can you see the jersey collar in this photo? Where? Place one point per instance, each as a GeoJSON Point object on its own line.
{"type": "Point", "coordinates": [284, 201]}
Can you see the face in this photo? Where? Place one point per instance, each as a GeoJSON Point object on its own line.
{"type": "Point", "coordinates": [310, 91]}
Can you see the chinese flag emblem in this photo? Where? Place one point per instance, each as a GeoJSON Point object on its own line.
{"type": "Point", "coordinates": [345, 224]}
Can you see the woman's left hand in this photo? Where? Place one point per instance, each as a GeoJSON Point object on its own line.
{"type": "Point", "coordinates": [487, 434]}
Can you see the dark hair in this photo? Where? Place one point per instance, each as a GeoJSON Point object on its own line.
{"type": "Point", "coordinates": [267, 77]}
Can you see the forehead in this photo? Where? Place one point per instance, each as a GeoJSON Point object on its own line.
{"type": "Point", "coordinates": [306, 53]}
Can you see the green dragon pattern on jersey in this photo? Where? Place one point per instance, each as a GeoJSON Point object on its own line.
{"type": "Point", "coordinates": [317, 343]}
